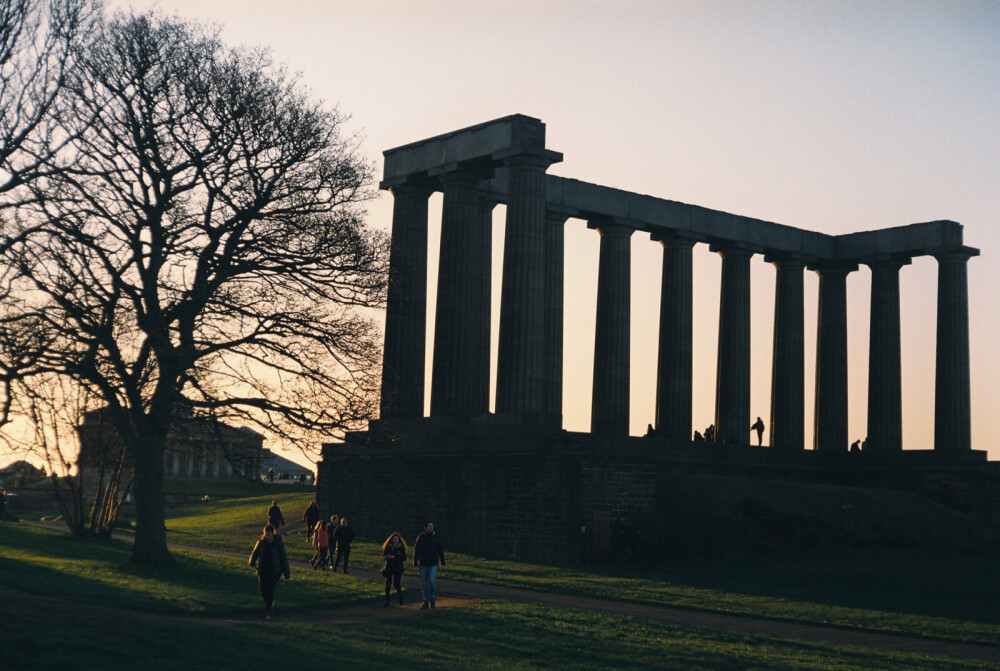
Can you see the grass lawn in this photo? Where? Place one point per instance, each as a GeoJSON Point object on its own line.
{"type": "Point", "coordinates": [952, 596]}
{"type": "Point", "coordinates": [198, 615]}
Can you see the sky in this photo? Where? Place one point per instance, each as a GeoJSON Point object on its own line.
{"type": "Point", "coordinates": [831, 116]}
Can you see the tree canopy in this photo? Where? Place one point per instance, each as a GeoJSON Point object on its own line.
{"type": "Point", "coordinates": [195, 241]}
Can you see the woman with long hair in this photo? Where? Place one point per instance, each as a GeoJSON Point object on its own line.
{"type": "Point", "coordinates": [394, 552]}
{"type": "Point", "coordinates": [321, 541]}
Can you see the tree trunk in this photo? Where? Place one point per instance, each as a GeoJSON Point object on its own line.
{"type": "Point", "coordinates": [150, 546]}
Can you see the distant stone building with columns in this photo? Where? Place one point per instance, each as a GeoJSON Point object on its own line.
{"type": "Point", "coordinates": [519, 458]}
{"type": "Point", "coordinates": [197, 448]}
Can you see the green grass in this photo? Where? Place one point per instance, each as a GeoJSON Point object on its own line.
{"type": "Point", "coordinates": [53, 564]}
{"type": "Point", "coordinates": [711, 516]}
{"type": "Point", "coordinates": [193, 616]}
{"type": "Point", "coordinates": [218, 487]}
{"type": "Point", "coordinates": [950, 596]}
{"type": "Point", "coordinates": [234, 523]}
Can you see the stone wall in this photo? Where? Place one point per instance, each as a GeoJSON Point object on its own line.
{"type": "Point", "coordinates": [553, 496]}
{"type": "Point", "coordinates": [523, 499]}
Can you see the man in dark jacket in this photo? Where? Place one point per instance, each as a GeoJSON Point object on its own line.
{"type": "Point", "coordinates": [343, 537]}
{"type": "Point", "coordinates": [311, 517]}
{"type": "Point", "coordinates": [274, 517]}
{"type": "Point", "coordinates": [271, 561]}
{"type": "Point", "coordinates": [427, 552]}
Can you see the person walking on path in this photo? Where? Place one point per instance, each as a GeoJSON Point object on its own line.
{"type": "Point", "coordinates": [758, 426]}
{"type": "Point", "coordinates": [394, 552]}
{"type": "Point", "coordinates": [311, 517]}
{"type": "Point", "coordinates": [271, 561]}
{"type": "Point", "coordinates": [321, 541]}
{"type": "Point", "coordinates": [428, 551]}
{"type": "Point", "coordinates": [274, 517]}
{"type": "Point", "coordinates": [342, 537]}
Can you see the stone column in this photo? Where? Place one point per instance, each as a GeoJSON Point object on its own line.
{"type": "Point", "coordinates": [521, 346]}
{"type": "Point", "coordinates": [952, 414]}
{"type": "Point", "coordinates": [885, 394]}
{"type": "Point", "coordinates": [460, 381]}
{"type": "Point", "coordinates": [484, 208]}
{"type": "Point", "coordinates": [610, 406]}
{"type": "Point", "coordinates": [552, 366]}
{"type": "Point", "coordinates": [732, 382]}
{"type": "Point", "coordinates": [406, 305]}
{"type": "Point", "coordinates": [830, 419]}
{"type": "Point", "coordinates": [788, 358]}
{"type": "Point", "coordinates": [674, 365]}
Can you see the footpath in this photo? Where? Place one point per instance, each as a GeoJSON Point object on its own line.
{"type": "Point", "coordinates": [454, 593]}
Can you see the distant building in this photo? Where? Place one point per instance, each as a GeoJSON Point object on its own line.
{"type": "Point", "coordinates": [23, 470]}
{"type": "Point", "coordinates": [196, 448]}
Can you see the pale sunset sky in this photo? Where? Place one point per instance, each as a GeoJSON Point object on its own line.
{"type": "Point", "coordinates": [830, 116]}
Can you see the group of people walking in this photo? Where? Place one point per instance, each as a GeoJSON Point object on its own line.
{"type": "Point", "coordinates": [270, 557]}
{"type": "Point", "coordinates": [328, 538]}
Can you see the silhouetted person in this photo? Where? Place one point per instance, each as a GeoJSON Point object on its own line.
{"type": "Point", "coordinates": [271, 561]}
{"type": "Point", "coordinates": [270, 475]}
{"type": "Point", "coordinates": [698, 438]}
{"type": "Point", "coordinates": [311, 517]}
{"type": "Point", "coordinates": [427, 552]}
{"type": "Point", "coordinates": [864, 444]}
{"type": "Point", "coordinates": [321, 541]}
{"type": "Point", "coordinates": [394, 552]}
{"type": "Point", "coordinates": [710, 433]}
{"type": "Point", "coordinates": [856, 446]}
{"type": "Point", "coordinates": [650, 431]}
{"type": "Point", "coordinates": [343, 536]}
{"type": "Point", "coordinates": [758, 426]}
{"type": "Point", "coordinates": [274, 517]}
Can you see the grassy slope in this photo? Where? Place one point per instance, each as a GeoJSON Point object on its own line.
{"type": "Point", "coordinates": [922, 593]}
{"type": "Point", "coordinates": [203, 589]}
{"type": "Point", "coordinates": [788, 515]}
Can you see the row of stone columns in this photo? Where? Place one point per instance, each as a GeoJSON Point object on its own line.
{"type": "Point", "coordinates": [529, 375]}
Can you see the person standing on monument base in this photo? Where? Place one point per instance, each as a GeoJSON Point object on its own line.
{"type": "Point", "coordinates": [758, 426]}
{"type": "Point", "coordinates": [428, 551]}
{"type": "Point", "coordinates": [271, 561]}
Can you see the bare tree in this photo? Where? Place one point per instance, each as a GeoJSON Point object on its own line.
{"type": "Point", "coordinates": [89, 467]}
{"type": "Point", "coordinates": [204, 249]}
{"type": "Point", "coordinates": [38, 43]}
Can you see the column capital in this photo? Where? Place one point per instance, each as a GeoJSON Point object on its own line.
{"type": "Point", "coordinates": [610, 227]}
{"type": "Point", "coordinates": [789, 260]}
{"type": "Point", "coordinates": [411, 188]}
{"type": "Point", "coordinates": [555, 217]}
{"type": "Point", "coordinates": [528, 157]}
{"type": "Point", "coordinates": [886, 261]}
{"type": "Point", "coordinates": [672, 239]}
{"type": "Point", "coordinates": [732, 250]}
{"type": "Point", "coordinates": [956, 253]}
{"type": "Point", "coordinates": [831, 268]}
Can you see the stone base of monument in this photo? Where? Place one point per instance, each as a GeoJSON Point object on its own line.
{"type": "Point", "coordinates": [528, 491]}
